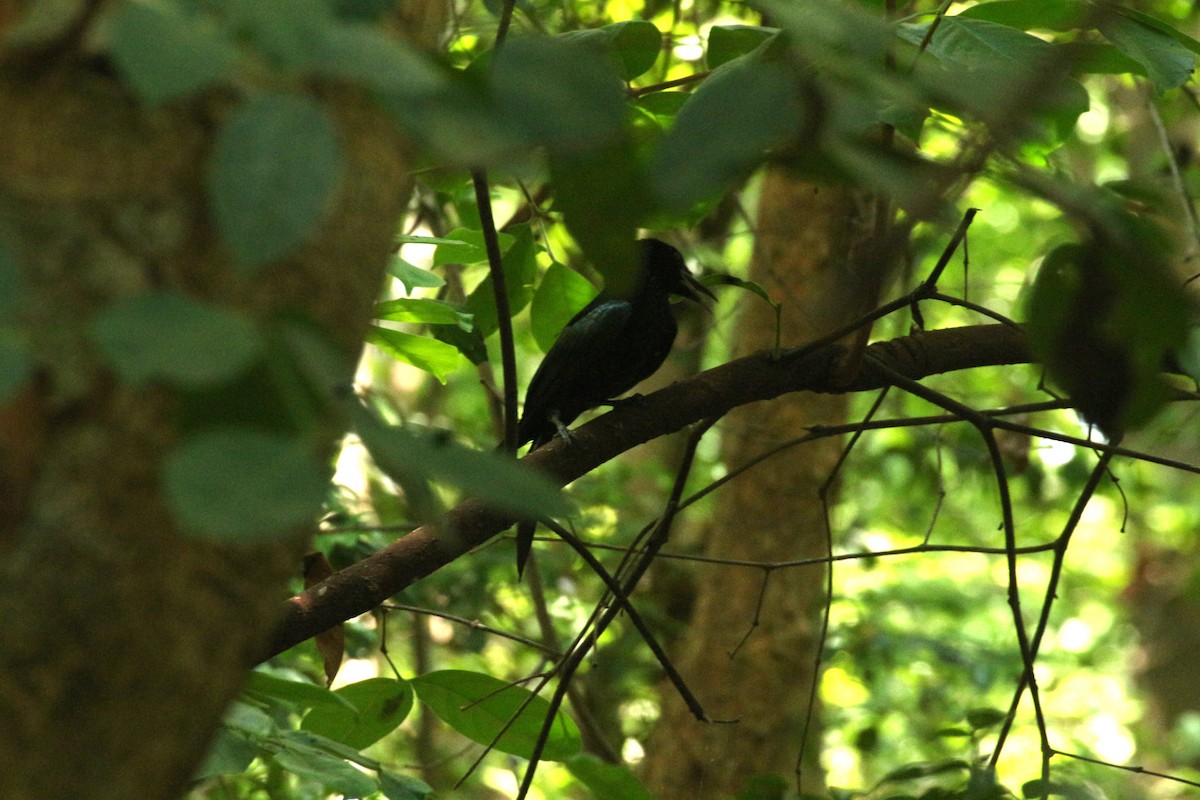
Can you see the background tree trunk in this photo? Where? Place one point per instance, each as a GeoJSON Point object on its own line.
{"type": "Point", "coordinates": [807, 236]}
{"type": "Point", "coordinates": [123, 640]}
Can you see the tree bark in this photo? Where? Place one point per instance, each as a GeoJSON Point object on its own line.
{"type": "Point", "coordinates": [749, 651]}
{"type": "Point", "coordinates": [123, 639]}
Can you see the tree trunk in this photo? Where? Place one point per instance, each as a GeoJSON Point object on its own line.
{"type": "Point", "coordinates": [806, 240]}
{"type": "Point", "coordinates": [123, 639]}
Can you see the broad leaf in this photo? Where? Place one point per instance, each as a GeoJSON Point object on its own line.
{"type": "Point", "coordinates": [1167, 62]}
{"type": "Point", "coordinates": [404, 452]}
{"type": "Point", "coordinates": [301, 693]}
{"type": "Point", "coordinates": [634, 44]}
{"type": "Point", "coordinates": [403, 787]}
{"type": "Point", "coordinates": [559, 297]}
{"type": "Point", "coordinates": [376, 707]}
{"type": "Point", "coordinates": [519, 262]}
{"type": "Point", "coordinates": [166, 53]}
{"type": "Point", "coordinates": [727, 42]}
{"type": "Point", "coordinates": [244, 485]}
{"type": "Point", "coordinates": [479, 707]}
{"type": "Point", "coordinates": [412, 276]}
{"type": "Point", "coordinates": [563, 95]}
{"type": "Point", "coordinates": [603, 197]}
{"type": "Point", "coordinates": [1055, 15]}
{"type": "Point", "coordinates": [421, 310]}
{"type": "Point", "coordinates": [170, 337]}
{"type": "Point", "coordinates": [423, 352]}
{"type": "Point", "coordinates": [607, 780]}
{"type": "Point", "coordinates": [365, 55]}
{"type": "Point", "coordinates": [1104, 322]}
{"type": "Point", "coordinates": [284, 31]}
{"type": "Point", "coordinates": [757, 99]}
{"type": "Point", "coordinates": [271, 176]}
{"type": "Point", "coordinates": [229, 753]}
{"type": "Point", "coordinates": [466, 246]}
{"type": "Point", "coordinates": [302, 756]}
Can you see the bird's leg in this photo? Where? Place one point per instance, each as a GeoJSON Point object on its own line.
{"type": "Point", "coordinates": [562, 429]}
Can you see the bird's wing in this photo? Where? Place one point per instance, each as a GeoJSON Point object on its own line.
{"type": "Point", "coordinates": [594, 329]}
{"type": "Point", "coordinates": [564, 381]}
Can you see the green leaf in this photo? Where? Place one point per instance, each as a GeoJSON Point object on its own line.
{"type": "Point", "coordinates": [561, 95]}
{"type": "Point", "coordinates": [924, 769]}
{"type": "Point", "coordinates": [663, 105]}
{"type": "Point", "coordinates": [251, 721]}
{"type": "Point", "coordinates": [980, 718]}
{"type": "Point", "coordinates": [298, 756]}
{"type": "Point", "coordinates": [519, 262]}
{"type": "Point", "coordinates": [741, 283]}
{"type": "Point", "coordinates": [727, 42]}
{"type": "Point", "coordinates": [466, 246]}
{"type": "Point", "coordinates": [228, 754]}
{"type": "Point", "coordinates": [905, 176]}
{"type": "Point", "coordinates": [1167, 62]}
{"type": "Point", "coordinates": [1100, 58]}
{"type": "Point", "coordinates": [412, 276]}
{"type": "Point", "coordinates": [404, 452]}
{"type": "Point", "coordinates": [423, 352]}
{"type": "Point", "coordinates": [282, 30]}
{"type": "Point", "coordinates": [603, 196]}
{"type": "Point", "coordinates": [403, 787]}
{"type": "Point", "coordinates": [559, 297]}
{"type": "Point", "coordinates": [16, 363]}
{"type": "Point", "coordinates": [170, 337]}
{"type": "Point", "coordinates": [1163, 27]}
{"type": "Point", "coordinates": [272, 175]}
{"type": "Point", "coordinates": [406, 238]}
{"type": "Point", "coordinates": [327, 745]}
{"type": "Point", "coordinates": [976, 44]}
{"type": "Point", "coordinates": [756, 98]}
{"type": "Point", "coordinates": [479, 707]}
{"type": "Point", "coordinates": [470, 343]}
{"type": "Point", "coordinates": [325, 368]}
{"type": "Point", "coordinates": [300, 693]}
{"type": "Point", "coordinates": [1069, 789]}
{"type": "Point", "coordinates": [423, 311]}
{"type": "Point", "coordinates": [1189, 356]}
{"type": "Point", "coordinates": [363, 54]}
{"type": "Point", "coordinates": [607, 780]}
{"type": "Point", "coordinates": [989, 62]}
{"type": "Point", "coordinates": [463, 125]}
{"type": "Point", "coordinates": [634, 44]}
{"type": "Point", "coordinates": [377, 707]}
{"type": "Point", "coordinates": [1055, 15]}
{"type": "Point", "coordinates": [1104, 317]}
{"type": "Point", "coordinates": [164, 53]}
{"type": "Point", "coordinates": [243, 485]}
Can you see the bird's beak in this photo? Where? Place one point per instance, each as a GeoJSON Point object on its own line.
{"type": "Point", "coordinates": [695, 290]}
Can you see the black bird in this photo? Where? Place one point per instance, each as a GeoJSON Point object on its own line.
{"type": "Point", "coordinates": [606, 349]}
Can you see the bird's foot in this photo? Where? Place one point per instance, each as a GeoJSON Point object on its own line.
{"type": "Point", "coordinates": [566, 435]}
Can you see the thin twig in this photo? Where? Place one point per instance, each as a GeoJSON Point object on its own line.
{"type": "Point", "coordinates": [575, 657]}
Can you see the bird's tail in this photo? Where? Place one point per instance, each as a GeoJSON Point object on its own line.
{"type": "Point", "coordinates": [525, 531]}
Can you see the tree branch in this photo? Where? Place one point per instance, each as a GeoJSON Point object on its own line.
{"type": "Point", "coordinates": [362, 586]}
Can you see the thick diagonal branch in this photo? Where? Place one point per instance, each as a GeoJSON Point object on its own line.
{"type": "Point", "coordinates": [713, 393]}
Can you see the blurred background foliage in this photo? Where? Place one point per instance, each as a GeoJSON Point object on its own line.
{"type": "Point", "coordinates": [920, 661]}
